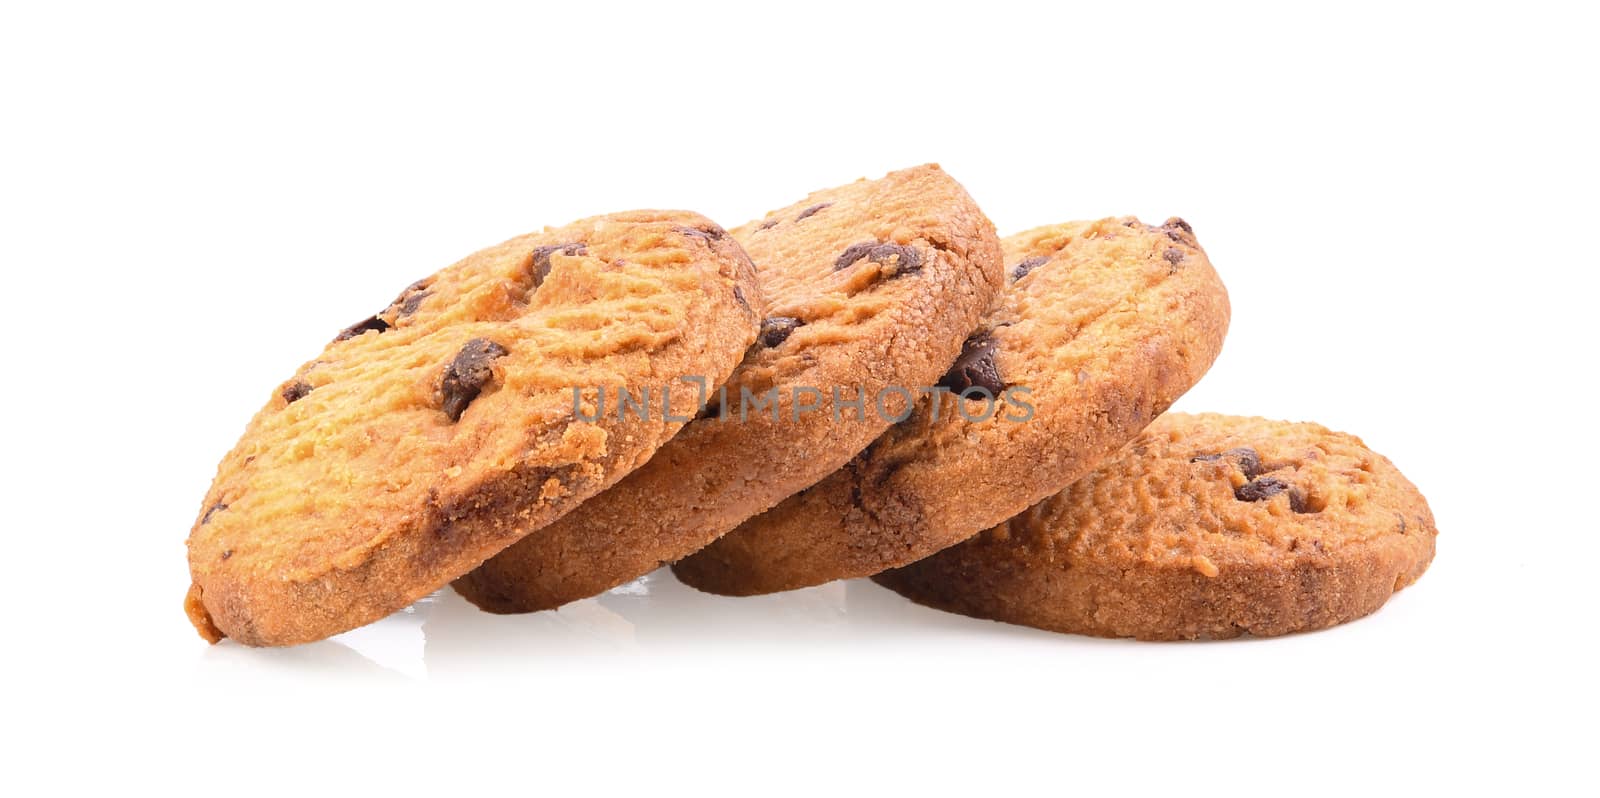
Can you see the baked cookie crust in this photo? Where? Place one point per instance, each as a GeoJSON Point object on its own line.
{"type": "Point", "coordinates": [869, 286]}
{"type": "Point", "coordinates": [437, 432]}
{"type": "Point", "coordinates": [1104, 323]}
{"type": "Point", "coordinates": [1204, 527]}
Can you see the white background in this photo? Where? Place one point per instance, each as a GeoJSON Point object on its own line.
{"type": "Point", "coordinates": [1402, 203]}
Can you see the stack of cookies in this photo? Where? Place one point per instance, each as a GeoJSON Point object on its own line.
{"type": "Point", "coordinates": [868, 382]}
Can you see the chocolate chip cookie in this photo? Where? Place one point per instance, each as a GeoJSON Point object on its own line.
{"type": "Point", "coordinates": [871, 287]}
{"type": "Point", "coordinates": [1205, 526]}
{"type": "Point", "coordinates": [464, 415]}
{"type": "Point", "coordinates": [1101, 327]}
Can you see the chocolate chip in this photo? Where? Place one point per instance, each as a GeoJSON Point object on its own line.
{"type": "Point", "coordinates": [411, 303]}
{"type": "Point", "coordinates": [226, 553]}
{"type": "Point", "coordinates": [975, 368]}
{"type": "Point", "coordinates": [853, 253]}
{"type": "Point", "coordinates": [908, 259]}
{"type": "Point", "coordinates": [1247, 459]}
{"type": "Point", "coordinates": [738, 296]}
{"type": "Point", "coordinates": [1173, 255]}
{"type": "Point", "coordinates": [210, 511]}
{"type": "Point", "coordinates": [1021, 270]}
{"type": "Point", "coordinates": [811, 211]}
{"type": "Point", "coordinates": [409, 299]}
{"type": "Point", "coordinates": [776, 330]}
{"type": "Point", "coordinates": [373, 324]}
{"type": "Point", "coordinates": [766, 224]}
{"type": "Point", "coordinates": [466, 375]}
{"type": "Point", "coordinates": [1260, 489]}
{"type": "Point", "coordinates": [1178, 230]}
{"type": "Point", "coordinates": [295, 391]}
{"type": "Point", "coordinates": [706, 234]}
{"type": "Point", "coordinates": [541, 259]}
{"type": "Point", "coordinates": [402, 306]}
{"type": "Point", "coordinates": [1265, 488]}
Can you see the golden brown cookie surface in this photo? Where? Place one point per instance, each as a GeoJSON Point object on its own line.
{"type": "Point", "coordinates": [1101, 327]}
{"type": "Point", "coordinates": [430, 436]}
{"type": "Point", "coordinates": [1205, 526]}
{"type": "Point", "coordinates": [869, 286]}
